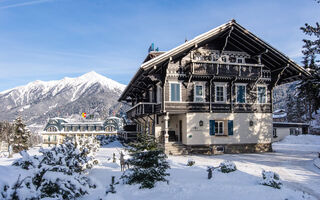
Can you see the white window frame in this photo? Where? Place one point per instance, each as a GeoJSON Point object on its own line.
{"type": "Point", "coordinates": [217, 133]}
{"type": "Point", "coordinates": [245, 92]}
{"type": "Point", "coordinates": [243, 60]}
{"type": "Point", "coordinates": [220, 84]}
{"type": "Point", "coordinates": [174, 82]}
{"type": "Point", "coordinates": [202, 84]}
{"type": "Point", "coordinates": [265, 86]}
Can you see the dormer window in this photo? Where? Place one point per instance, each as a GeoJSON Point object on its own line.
{"type": "Point", "coordinates": [232, 59]}
{"type": "Point", "coordinates": [52, 129]}
{"type": "Point", "coordinates": [240, 60]}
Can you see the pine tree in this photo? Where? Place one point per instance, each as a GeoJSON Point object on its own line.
{"type": "Point", "coordinates": [21, 136]}
{"type": "Point", "coordinates": [148, 163]}
{"type": "Point", "coordinates": [309, 88]}
{"type": "Point", "coordinates": [57, 173]}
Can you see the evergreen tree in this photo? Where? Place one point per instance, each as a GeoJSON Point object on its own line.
{"type": "Point", "coordinates": [295, 110]}
{"type": "Point", "coordinates": [21, 135]}
{"type": "Point", "coordinates": [58, 173]}
{"type": "Point", "coordinates": [148, 163]}
{"type": "Point", "coordinates": [309, 88]}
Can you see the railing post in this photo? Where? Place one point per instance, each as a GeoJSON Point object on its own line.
{"type": "Point", "coordinates": [166, 128]}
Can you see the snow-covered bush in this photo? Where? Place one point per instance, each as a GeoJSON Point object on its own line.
{"type": "Point", "coordinates": [271, 179]}
{"type": "Point", "coordinates": [227, 167]}
{"type": "Point", "coordinates": [148, 163]}
{"type": "Point", "coordinates": [191, 162]}
{"type": "Point", "coordinates": [106, 139]}
{"type": "Point", "coordinates": [26, 162]}
{"type": "Point", "coordinates": [58, 173]}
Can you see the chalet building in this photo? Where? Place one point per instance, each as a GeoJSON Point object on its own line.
{"type": "Point", "coordinates": [57, 129]}
{"type": "Point", "coordinates": [210, 94]}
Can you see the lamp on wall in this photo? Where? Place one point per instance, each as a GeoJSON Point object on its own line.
{"type": "Point", "coordinates": [200, 123]}
{"type": "Point", "coordinates": [250, 123]}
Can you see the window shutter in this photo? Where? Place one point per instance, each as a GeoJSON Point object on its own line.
{"type": "Point", "coordinates": [178, 92]}
{"type": "Point", "coordinates": [230, 127]}
{"type": "Point", "coordinates": [211, 123]}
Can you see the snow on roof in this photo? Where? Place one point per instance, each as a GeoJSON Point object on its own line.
{"type": "Point", "coordinates": [276, 116]}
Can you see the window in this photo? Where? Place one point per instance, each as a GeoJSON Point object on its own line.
{"type": "Point", "coordinates": [220, 92]}
{"type": "Point", "coordinates": [52, 129]}
{"type": "Point", "coordinates": [174, 91]}
{"type": "Point", "coordinates": [262, 94]}
{"type": "Point", "coordinates": [199, 93]}
{"type": "Point", "coordinates": [240, 60]}
{"type": "Point", "coordinates": [232, 59]}
{"type": "Point", "coordinates": [219, 126]}
{"type": "Point", "coordinates": [241, 93]}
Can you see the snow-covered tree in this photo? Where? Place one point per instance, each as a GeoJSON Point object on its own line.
{"type": "Point", "coordinates": [21, 135]}
{"type": "Point", "coordinates": [148, 164]}
{"type": "Point", "coordinates": [309, 88]}
{"type": "Point", "coordinates": [58, 173]}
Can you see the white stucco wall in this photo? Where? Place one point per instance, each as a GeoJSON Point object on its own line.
{"type": "Point", "coordinates": [282, 132]}
{"type": "Point", "coordinates": [260, 132]}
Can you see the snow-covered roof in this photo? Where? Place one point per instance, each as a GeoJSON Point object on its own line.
{"type": "Point", "coordinates": [276, 116]}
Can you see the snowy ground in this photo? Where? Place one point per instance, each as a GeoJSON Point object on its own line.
{"type": "Point", "coordinates": [293, 160]}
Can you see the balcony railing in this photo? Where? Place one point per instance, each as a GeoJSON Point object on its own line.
{"type": "Point", "coordinates": [140, 109]}
{"type": "Point", "coordinates": [244, 70]}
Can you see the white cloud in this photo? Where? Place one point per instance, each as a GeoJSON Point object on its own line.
{"type": "Point", "coordinates": [27, 3]}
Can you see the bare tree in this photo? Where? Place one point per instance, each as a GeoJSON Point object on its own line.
{"type": "Point", "coordinates": [7, 134]}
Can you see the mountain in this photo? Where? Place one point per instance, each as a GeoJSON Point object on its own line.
{"type": "Point", "coordinates": [39, 100]}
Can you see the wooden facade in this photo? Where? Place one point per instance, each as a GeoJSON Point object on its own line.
{"type": "Point", "coordinates": [203, 75]}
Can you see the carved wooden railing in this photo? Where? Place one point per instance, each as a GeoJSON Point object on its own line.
{"type": "Point", "coordinates": [140, 109]}
{"type": "Point", "coordinates": [229, 69]}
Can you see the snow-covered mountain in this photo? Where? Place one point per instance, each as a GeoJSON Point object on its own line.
{"type": "Point", "coordinates": [39, 100]}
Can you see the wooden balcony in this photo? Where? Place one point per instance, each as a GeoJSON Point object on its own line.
{"type": "Point", "coordinates": [242, 70]}
{"type": "Point", "coordinates": [142, 109]}
{"type": "Point", "coordinates": [184, 107]}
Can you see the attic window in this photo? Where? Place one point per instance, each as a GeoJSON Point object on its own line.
{"type": "Point", "coordinates": [232, 59]}
{"type": "Point", "coordinates": [240, 60]}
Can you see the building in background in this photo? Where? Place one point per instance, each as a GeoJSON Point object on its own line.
{"type": "Point", "coordinates": [57, 129]}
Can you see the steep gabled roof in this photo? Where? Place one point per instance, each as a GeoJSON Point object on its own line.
{"type": "Point", "coordinates": [238, 38]}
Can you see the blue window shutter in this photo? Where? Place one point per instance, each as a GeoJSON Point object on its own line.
{"type": "Point", "coordinates": [178, 92]}
{"type": "Point", "coordinates": [211, 123]}
{"type": "Point", "coordinates": [230, 127]}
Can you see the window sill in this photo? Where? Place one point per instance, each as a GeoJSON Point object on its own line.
{"type": "Point", "coordinates": [221, 135]}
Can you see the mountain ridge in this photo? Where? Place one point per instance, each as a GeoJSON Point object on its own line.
{"type": "Point", "coordinates": [39, 100]}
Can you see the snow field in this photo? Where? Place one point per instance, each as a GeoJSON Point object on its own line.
{"type": "Point", "coordinates": [293, 160]}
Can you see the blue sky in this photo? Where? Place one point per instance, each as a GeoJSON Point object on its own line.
{"type": "Point", "coordinates": [51, 39]}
